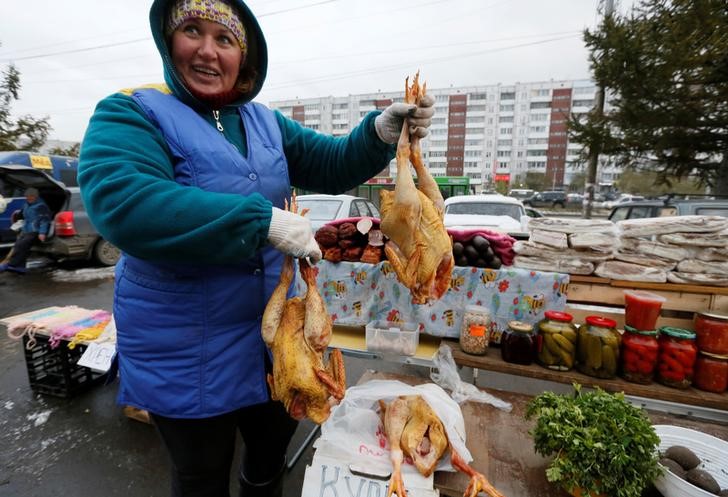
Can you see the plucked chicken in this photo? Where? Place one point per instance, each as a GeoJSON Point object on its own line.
{"type": "Point", "coordinates": [419, 247]}
{"type": "Point", "coordinates": [298, 331]}
{"type": "Point", "coordinates": [414, 430]}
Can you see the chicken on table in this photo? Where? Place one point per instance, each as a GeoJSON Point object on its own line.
{"type": "Point", "coordinates": [419, 247]}
{"type": "Point", "coordinates": [414, 430]}
{"type": "Point", "coordinates": [298, 331]}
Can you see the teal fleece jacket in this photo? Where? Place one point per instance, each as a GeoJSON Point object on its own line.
{"type": "Point", "coordinates": [127, 179]}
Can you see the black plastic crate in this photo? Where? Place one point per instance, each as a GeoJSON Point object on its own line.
{"type": "Point", "coordinates": [54, 371]}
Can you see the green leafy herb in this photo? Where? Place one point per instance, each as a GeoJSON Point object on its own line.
{"type": "Point", "coordinates": [601, 443]}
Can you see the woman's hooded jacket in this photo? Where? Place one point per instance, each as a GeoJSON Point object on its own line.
{"type": "Point", "coordinates": [190, 208]}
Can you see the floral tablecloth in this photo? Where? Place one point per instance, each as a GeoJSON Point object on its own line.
{"type": "Point", "coordinates": [357, 293]}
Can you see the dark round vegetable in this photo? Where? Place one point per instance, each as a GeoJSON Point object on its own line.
{"type": "Point", "coordinates": [461, 261]}
{"type": "Point", "coordinates": [703, 479]}
{"type": "Point", "coordinates": [489, 254]}
{"type": "Point", "coordinates": [673, 466]}
{"type": "Point", "coordinates": [457, 249]}
{"type": "Point", "coordinates": [480, 243]}
{"type": "Point", "coordinates": [683, 456]}
{"type": "Point", "coordinates": [496, 262]}
{"type": "Point", "coordinates": [471, 253]}
{"type": "Point", "coordinates": [481, 263]}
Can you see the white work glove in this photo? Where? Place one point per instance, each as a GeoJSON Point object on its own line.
{"type": "Point", "coordinates": [419, 117]}
{"type": "Point", "coordinates": [292, 235]}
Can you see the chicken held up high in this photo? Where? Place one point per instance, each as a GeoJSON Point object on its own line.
{"type": "Point", "coordinates": [298, 331]}
{"type": "Point", "coordinates": [413, 429]}
{"type": "Point", "coordinates": [419, 247]}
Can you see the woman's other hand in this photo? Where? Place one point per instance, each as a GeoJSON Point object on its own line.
{"type": "Point", "coordinates": [419, 117]}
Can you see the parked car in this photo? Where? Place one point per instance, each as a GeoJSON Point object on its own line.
{"type": "Point", "coordinates": [574, 199]}
{"type": "Point", "coordinates": [326, 208]}
{"type": "Point", "coordinates": [624, 198]}
{"type": "Point", "coordinates": [492, 211]}
{"type": "Point", "coordinates": [669, 206]}
{"type": "Point", "coordinates": [72, 236]}
{"type": "Point", "coordinates": [521, 193]}
{"type": "Point", "coordinates": [551, 199]}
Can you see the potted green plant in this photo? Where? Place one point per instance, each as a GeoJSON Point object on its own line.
{"type": "Point", "coordinates": [602, 445]}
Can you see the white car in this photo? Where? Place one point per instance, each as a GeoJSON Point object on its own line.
{"type": "Point", "coordinates": [491, 211]}
{"type": "Point", "coordinates": [622, 199]}
{"type": "Point", "coordinates": [326, 208]}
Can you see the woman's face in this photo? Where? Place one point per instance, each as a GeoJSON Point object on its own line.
{"type": "Point", "coordinates": [206, 56]}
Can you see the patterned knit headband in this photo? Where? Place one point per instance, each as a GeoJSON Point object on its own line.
{"type": "Point", "coordinates": [217, 11]}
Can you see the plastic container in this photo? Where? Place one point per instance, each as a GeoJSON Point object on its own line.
{"type": "Point", "coordinates": [712, 332]}
{"type": "Point", "coordinates": [639, 355]}
{"type": "Point", "coordinates": [556, 341]}
{"type": "Point", "coordinates": [390, 338]}
{"type": "Point", "coordinates": [677, 355]}
{"type": "Point", "coordinates": [641, 309]}
{"type": "Point", "coordinates": [517, 344]}
{"type": "Point", "coordinates": [711, 372]}
{"type": "Point", "coordinates": [474, 330]}
{"type": "Point", "coordinates": [54, 371]}
{"type": "Point", "coordinates": [598, 347]}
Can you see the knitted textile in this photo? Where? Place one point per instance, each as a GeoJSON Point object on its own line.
{"type": "Point", "coordinates": [217, 11]}
{"type": "Point", "coordinates": [60, 323]}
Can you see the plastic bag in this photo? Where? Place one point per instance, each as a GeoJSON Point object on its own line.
{"type": "Point", "coordinates": [3, 204]}
{"type": "Point", "coordinates": [354, 432]}
{"type": "Point", "coordinates": [445, 374]}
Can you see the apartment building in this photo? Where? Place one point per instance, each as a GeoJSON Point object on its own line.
{"type": "Point", "coordinates": [494, 133]}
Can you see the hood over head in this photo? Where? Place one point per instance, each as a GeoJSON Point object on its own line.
{"type": "Point", "coordinates": [256, 56]}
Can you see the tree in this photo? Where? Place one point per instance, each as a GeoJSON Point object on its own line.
{"type": "Point", "coordinates": [535, 181]}
{"type": "Point", "coordinates": [72, 151]}
{"type": "Point", "coordinates": [666, 70]}
{"type": "Point", "coordinates": [645, 183]}
{"type": "Point", "coordinates": [25, 133]}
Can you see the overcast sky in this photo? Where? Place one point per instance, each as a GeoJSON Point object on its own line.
{"type": "Point", "coordinates": [73, 53]}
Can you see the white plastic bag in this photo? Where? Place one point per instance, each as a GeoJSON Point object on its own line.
{"type": "Point", "coordinates": [354, 432]}
{"type": "Point", "coordinates": [3, 204]}
{"type": "Point", "coordinates": [445, 374]}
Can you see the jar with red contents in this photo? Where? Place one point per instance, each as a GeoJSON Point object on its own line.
{"type": "Point", "coordinates": [676, 358]}
{"type": "Point", "coordinates": [639, 355]}
{"type": "Point", "coordinates": [712, 332]}
{"type": "Point", "coordinates": [711, 372]}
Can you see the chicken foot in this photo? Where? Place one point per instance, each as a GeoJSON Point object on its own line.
{"type": "Point", "coordinates": [478, 481]}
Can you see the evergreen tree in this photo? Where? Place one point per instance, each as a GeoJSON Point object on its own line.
{"type": "Point", "coordinates": [25, 133]}
{"type": "Point", "coordinates": [71, 151]}
{"type": "Point", "coordinates": [665, 67]}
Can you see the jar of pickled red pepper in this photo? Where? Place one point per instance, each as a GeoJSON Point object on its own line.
{"type": "Point", "coordinates": [676, 358]}
{"type": "Point", "coordinates": [556, 341]}
{"type": "Point", "coordinates": [517, 343]}
{"type": "Point", "coordinates": [712, 332]}
{"type": "Point", "coordinates": [711, 372]}
{"type": "Point", "coordinates": [598, 347]}
{"type": "Point", "coordinates": [639, 355]}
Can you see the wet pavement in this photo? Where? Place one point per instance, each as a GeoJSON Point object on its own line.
{"type": "Point", "coordinates": [85, 446]}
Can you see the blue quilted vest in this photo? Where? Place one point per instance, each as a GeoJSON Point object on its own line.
{"type": "Point", "coordinates": [189, 343]}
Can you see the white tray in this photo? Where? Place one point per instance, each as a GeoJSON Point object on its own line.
{"type": "Point", "coordinates": [713, 454]}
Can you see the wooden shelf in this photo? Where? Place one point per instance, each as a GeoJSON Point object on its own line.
{"type": "Point", "coordinates": [493, 362]}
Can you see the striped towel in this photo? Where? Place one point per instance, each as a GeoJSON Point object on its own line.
{"type": "Point", "coordinates": [59, 323]}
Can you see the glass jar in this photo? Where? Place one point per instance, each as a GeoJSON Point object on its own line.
{"type": "Point", "coordinates": [598, 347]}
{"type": "Point", "coordinates": [517, 343]}
{"type": "Point", "coordinates": [642, 309]}
{"type": "Point", "coordinates": [712, 332]}
{"type": "Point", "coordinates": [676, 358]}
{"type": "Point", "coordinates": [639, 355]}
{"type": "Point", "coordinates": [711, 372]}
{"type": "Point", "coordinates": [474, 330]}
{"type": "Point", "coordinates": [556, 341]}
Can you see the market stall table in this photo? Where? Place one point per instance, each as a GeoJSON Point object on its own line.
{"type": "Point", "coordinates": [503, 451]}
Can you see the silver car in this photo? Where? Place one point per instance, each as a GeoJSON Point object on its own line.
{"type": "Point", "coordinates": [326, 208]}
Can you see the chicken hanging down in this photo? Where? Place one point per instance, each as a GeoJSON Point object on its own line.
{"type": "Point", "coordinates": [298, 331]}
{"type": "Point", "coordinates": [419, 247]}
{"type": "Point", "coordinates": [414, 430]}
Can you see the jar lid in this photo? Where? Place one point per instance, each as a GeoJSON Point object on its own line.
{"type": "Point", "coordinates": [559, 316]}
{"type": "Point", "coordinates": [630, 329]}
{"type": "Point", "coordinates": [712, 315]}
{"type": "Point", "coordinates": [677, 332]}
{"type": "Point", "coordinates": [714, 356]}
{"type": "Point", "coordinates": [477, 308]}
{"type": "Point", "coordinates": [601, 322]}
{"type": "Point", "coordinates": [520, 326]}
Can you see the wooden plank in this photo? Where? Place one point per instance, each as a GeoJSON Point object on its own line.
{"type": "Point", "coordinates": [719, 303]}
{"type": "Point", "coordinates": [612, 296]}
{"type": "Point", "coordinates": [690, 396]}
{"type": "Point", "coordinates": [673, 287]}
{"type": "Point", "coordinates": [502, 448]}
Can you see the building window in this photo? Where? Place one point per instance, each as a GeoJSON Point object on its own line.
{"type": "Point", "coordinates": [510, 95]}
{"type": "Point", "coordinates": [505, 143]}
{"type": "Point", "coordinates": [540, 105]}
{"type": "Point", "coordinates": [506, 131]}
{"type": "Point", "coordinates": [583, 103]}
{"type": "Point", "coordinates": [505, 119]}
{"type": "Point", "coordinates": [541, 93]}
{"type": "Point", "coordinates": [539, 117]}
{"type": "Point", "coordinates": [537, 129]}
{"type": "Point", "coordinates": [477, 96]}
{"type": "Point", "coordinates": [507, 108]}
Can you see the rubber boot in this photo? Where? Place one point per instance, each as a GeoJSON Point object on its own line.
{"type": "Point", "coordinates": [271, 488]}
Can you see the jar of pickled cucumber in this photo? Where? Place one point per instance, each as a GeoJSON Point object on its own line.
{"type": "Point", "coordinates": [597, 347]}
{"type": "Point", "coordinates": [556, 341]}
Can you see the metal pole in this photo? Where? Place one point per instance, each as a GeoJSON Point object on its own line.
{"type": "Point", "coordinates": [591, 176]}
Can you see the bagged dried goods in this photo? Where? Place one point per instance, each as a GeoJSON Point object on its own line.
{"type": "Point", "coordinates": [656, 249]}
{"type": "Point", "coordinates": [618, 270]}
{"type": "Point", "coordinates": [600, 242]}
{"type": "Point", "coordinates": [697, 266]}
{"type": "Point", "coordinates": [531, 249]}
{"type": "Point", "coordinates": [553, 239]}
{"type": "Point", "coordinates": [571, 225]}
{"type": "Point", "coordinates": [697, 278]}
{"type": "Point", "coordinates": [671, 224]}
{"type": "Point", "coordinates": [719, 240]}
{"type": "Point", "coordinates": [646, 260]}
{"type": "Point", "coordinates": [570, 265]}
